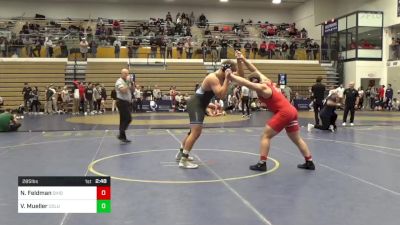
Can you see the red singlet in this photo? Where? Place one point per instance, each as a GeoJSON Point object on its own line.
{"type": "Point", "coordinates": [285, 114]}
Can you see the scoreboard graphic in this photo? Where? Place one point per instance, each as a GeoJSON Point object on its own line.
{"type": "Point", "coordinates": [64, 194]}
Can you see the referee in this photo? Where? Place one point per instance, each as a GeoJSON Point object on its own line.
{"type": "Point", "coordinates": [123, 89]}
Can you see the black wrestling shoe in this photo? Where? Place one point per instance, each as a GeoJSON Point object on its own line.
{"type": "Point", "coordinates": [260, 166]}
{"type": "Point", "coordinates": [123, 140]}
{"type": "Point", "coordinates": [308, 165]}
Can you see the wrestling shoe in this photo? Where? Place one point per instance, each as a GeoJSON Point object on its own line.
{"type": "Point", "coordinates": [178, 157]}
{"type": "Point", "coordinates": [308, 165]}
{"type": "Point", "coordinates": [186, 164]}
{"type": "Point", "coordinates": [310, 127]}
{"type": "Point", "coordinates": [260, 166]}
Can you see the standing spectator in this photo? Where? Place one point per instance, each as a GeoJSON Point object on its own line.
{"type": "Point", "coordinates": [204, 48]}
{"type": "Point", "coordinates": [351, 98]}
{"type": "Point", "coordinates": [138, 93]}
{"type": "Point", "coordinates": [285, 48]}
{"type": "Point", "coordinates": [173, 93]}
{"type": "Point", "coordinates": [50, 96]}
{"type": "Point", "coordinates": [84, 48]}
{"type": "Point", "coordinates": [224, 48]}
{"type": "Point", "coordinates": [179, 48]}
{"type": "Point", "coordinates": [389, 97]}
{"type": "Point", "coordinates": [381, 93]}
{"type": "Point", "coordinates": [96, 98]}
{"type": "Point", "coordinates": [247, 48]}
{"type": "Point", "coordinates": [189, 48]}
{"type": "Point", "coordinates": [169, 49]}
{"type": "Point", "coordinates": [19, 44]}
{"type": "Point", "coordinates": [130, 50]}
{"type": "Point", "coordinates": [63, 49]}
{"type": "Point", "coordinates": [163, 47]}
{"type": "Point", "coordinates": [117, 48]}
{"type": "Point", "coordinates": [287, 92]}
{"type": "Point", "coordinates": [361, 97]}
{"type": "Point", "coordinates": [318, 93]}
{"type": "Point", "coordinates": [93, 48]}
{"type": "Point", "coordinates": [315, 49]}
{"type": "Point", "coordinates": [3, 47]}
{"type": "Point", "coordinates": [153, 48]}
{"type": "Point", "coordinates": [76, 99]}
{"type": "Point", "coordinates": [28, 46]}
{"type": "Point", "coordinates": [35, 105]}
{"type": "Point", "coordinates": [292, 50]}
{"type": "Point", "coordinates": [309, 51]}
{"type": "Point", "coordinates": [38, 48]}
{"type": "Point", "coordinates": [244, 97]}
{"type": "Point", "coordinates": [114, 100]}
{"type": "Point", "coordinates": [89, 98]}
{"type": "Point", "coordinates": [237, 46]}
{"type": "Point", "coordinates": [49, 48]}
{"type": "Point", "coordinates": [26, 91]}
{"type": "Point", "coordinates": [271, 49]}
{"type": "Point", "coordinates": [254, 49]}
{"type": "Point", "coordinates": [214, 51]}
{"type": "Point", "coordinates": [135, 48]}
{"type": "Point", "coordinates": [65, 99]}
{"type": "Point", "coordinates": [263, 49]}
{"type": "Point", "coordinates": [372, 93]}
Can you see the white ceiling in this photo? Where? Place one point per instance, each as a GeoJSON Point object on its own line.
{"type": "Point", "coordinates": [287, 4]}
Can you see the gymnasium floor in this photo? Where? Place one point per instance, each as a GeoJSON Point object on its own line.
{"type": "Point", "coordinates": [357, 180]}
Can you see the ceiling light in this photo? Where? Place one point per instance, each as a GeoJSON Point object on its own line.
{"type": "Point", "coordinates": [276, 1]}
{"type": "Point", "coordinates": [224, 0]}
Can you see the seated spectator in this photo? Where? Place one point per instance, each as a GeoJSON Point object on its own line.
{"type": "Point", "coordinates": [116, 26]}
{"type": "Point", "coordinates": [202, 20]}
{"type": "Point", "coordinates": [8, 122]}
{"type": "Point", "coordinates": [263, 48]}
{"type": "Point", "coordinates": [366, 45]}
{"type": "Point", "coordinates": [271, 49]}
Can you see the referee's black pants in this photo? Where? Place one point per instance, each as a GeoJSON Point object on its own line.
{"type": "Point", "coordinates": [348, 108]}
{"type": "Point", "coordinates": [125, 117]}
{"type": "Point", "coordinates": [317, 108]}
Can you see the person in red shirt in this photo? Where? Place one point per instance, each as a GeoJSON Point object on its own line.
{"type": "Point", "coordinates": [263, 48]}
{"type": "Point", "coordinates": [381, 93]}
{"type": "Point", "coordinates": [285, 115]}
{"type": "Point", "coordinates": [271, 49]}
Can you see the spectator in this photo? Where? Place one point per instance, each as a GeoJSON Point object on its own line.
{"type": "Point", "coordinates": [93, 48]}
{"type": "Point", "coordinates": [247, 48]}
{"type": "Point", "coordinates": [156, 93]}
{"type": "Point", "coordinates": [163, 47]}
{"type": "Point", "coordinates": [214, 51]}
{"type": "Point", "coordinates": [28, 46]}
{"type": "Point", "coordinates": [50, 95]}
{"type": "Point", "coordinates": [287, 92]}
{"type": "Point", "coordinates": [271, 49]}
{"type": "Point", "coordinates": [315, 49]}
{"type": "Point", "coordinates": [84, 48]}
{"type": "Point", "coordinates": [26, 91]}
{"type": "Point", "coordinates": [3, 47]}
{"type": "Point", "coordinates": [169, 49]}
{"type": "Point", "coordinates": [254, 49]}
{"type": "Point", "coordinates": [309, 51]}
{"type": "Point", "coordinates": [168, 17]}
{"type": "Point", "coordinates": [89, 98]}
{"type": "Point", "coordinates": [65, 99]}
{"type": "Point", "coordinates": [179, 48]}
{"type": "Point", "coordinates": [38, 48]}
{"type": "Point", "coordinates": [361, 96]}
{"type": "Point", "coordinates": [204, 48]}
{"type": "Point", "coordinates": [35, 104]}
{"type": "Point", "coordinates": [117, 47]}
{"type": "Point", "coordinates": [263, 49]}
{"type": "Point", "coordinates": [76, 99]}
{"type": "Point", "coordinates": [340, 91]}
{"type": "Point", "coordinates": [292, 50]}
{"type": "Point", "coordinates": [49, 48]}
{"type": "Point", "coordinates": [97, 98]}
{"type": "Point", "coordinates": [244, 97]}
{"type": "Point", "coordinates": [114, 100]}
{"type": "Point", "coordinates": [285, 49]}
{"type": "Point", "coordinates": [389, 97]}
{"type": "Point", "coordinates": [189, 48]}
{"type": "Point", "coordinates": [63, 49]}
{"type": "Point", "coordinates": [202, 20]}
{"type": "Point", "coordinates": [138, 105]}
{"type": "Point", "coordinates": [237, 46]}
{"type": "Point", "coordinates": [224, 48]}
{"type": "Point", "coordinates": [135, 47]}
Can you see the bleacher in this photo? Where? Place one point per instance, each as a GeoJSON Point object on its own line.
{"type": "Point", "coordinates": [300, 76]}
{"type": "Point", "coordinates": [13, 75]}
{"type": "Point", "coordinates": [182, 75]}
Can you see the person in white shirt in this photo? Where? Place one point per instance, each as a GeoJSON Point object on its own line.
{"type": "Point", "coordinates": [49, 48]}
{"type": "Point", "coordinates": [244, 96]}
{"type": "Point", "coordinates": [84, 48]}
{"type": "Point", "coordinates": [156, 93]}
{"type": "Point", "coordinates": [340, 91]}
{"type": "Point", "coordinates": [138, 106]}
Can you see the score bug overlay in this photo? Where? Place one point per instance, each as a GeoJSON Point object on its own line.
{"type": "Point", "coordinates": [64, 194]}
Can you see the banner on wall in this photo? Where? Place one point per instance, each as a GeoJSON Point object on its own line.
{"type": "Point", "coordinates": [332, 26]}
